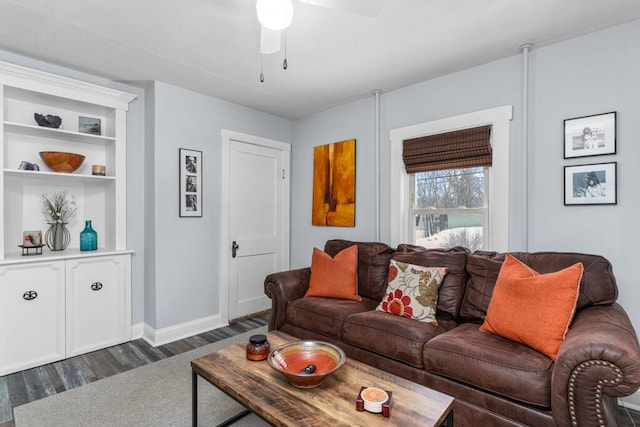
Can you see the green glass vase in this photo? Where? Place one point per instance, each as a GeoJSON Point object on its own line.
{"type": "Point", "coordinates": [88, 238]}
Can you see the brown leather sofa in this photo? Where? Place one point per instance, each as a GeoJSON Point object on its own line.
{"type": "Point", "coordinates": [495, 381]}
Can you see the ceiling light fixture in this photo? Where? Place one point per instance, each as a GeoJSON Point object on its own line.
{"type": "Point", "coordinates": [274, 14]}
{"type": "Point", "coordinates": [275, 17]}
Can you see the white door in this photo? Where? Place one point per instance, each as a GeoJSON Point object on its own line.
{"type": "Point", "coordinates": [258, 219]}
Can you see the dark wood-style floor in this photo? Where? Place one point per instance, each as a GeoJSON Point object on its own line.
{"type": "Point", "coordinates": [37, 383]}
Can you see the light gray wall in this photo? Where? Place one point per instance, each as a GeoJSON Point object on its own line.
{"type": "Point", "coordinates": [135, 169]}
{"type": "Point", "coordinates": [592, 74]}
{"type": "Point", "coordinates": [492, 85]}
{"type": "Point", "coordinates": [350, 121]}
{"type": "Point", "coordinates": [186, 249]}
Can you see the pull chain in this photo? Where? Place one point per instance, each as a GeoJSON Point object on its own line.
{"type": "Point", "coordinates": [284, 63]}
{"type": "Point", "coordinates": [261, 68]}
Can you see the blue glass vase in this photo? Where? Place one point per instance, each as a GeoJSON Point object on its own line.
{"type": "Point", "coordinates": [88, 238]}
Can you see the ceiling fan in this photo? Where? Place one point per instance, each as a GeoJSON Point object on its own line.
{"type": "Point", "coordinates": [276, 15]}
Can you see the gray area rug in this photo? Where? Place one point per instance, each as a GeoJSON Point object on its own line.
{"type": "Point", "coordinates": [158, 394]}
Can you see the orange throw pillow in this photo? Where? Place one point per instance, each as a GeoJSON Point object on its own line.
{"type": "Point", "coordinates": [334, 277]}
{"type": "Point", "coordinates": [531, 308]}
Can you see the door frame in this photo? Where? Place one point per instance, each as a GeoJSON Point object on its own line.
{"type": "Point", "coordinates": [225, 239]}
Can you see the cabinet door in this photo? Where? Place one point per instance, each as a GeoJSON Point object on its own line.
{"type": "Point", "coordinates": [32, 306]}
{"type": "Point", "coordinates": [98, 303]}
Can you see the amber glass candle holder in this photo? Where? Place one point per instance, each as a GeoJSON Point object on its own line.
{"type": "Point", "coordinates": [258, 347]}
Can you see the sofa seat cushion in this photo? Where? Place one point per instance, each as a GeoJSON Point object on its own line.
{"type": "Point", "coordinates": [325, 315]}
{"type": "Point", "coordinates": [492, 363]}
{"type": "Point", "coordinates": [398, 338]}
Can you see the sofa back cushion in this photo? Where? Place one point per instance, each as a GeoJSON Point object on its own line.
{"type": "Point", "coordinates": [373, 265]}
{"type": "Point", "coordinates": [335, 277]}
{"type": "Point", "coordinates": [597, 287]}
{"type": "Point", "coordinates": [532, 308]}
{"type": "Point", "coordinates": [454, 259]}
{"type": "Point", "coordinates": [412, 291]}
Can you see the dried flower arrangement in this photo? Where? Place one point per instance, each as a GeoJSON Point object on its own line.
{"type": "Point", "coordinates": [58, 207]}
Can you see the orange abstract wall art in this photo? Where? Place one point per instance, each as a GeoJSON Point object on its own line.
{"type": "Point", "coordinates": [334, 184]}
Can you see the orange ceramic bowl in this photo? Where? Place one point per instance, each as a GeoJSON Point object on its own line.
{"type": "Point", "coordinates": [291, 359]}
{"type": "Point", "coordinates": [60, 161]}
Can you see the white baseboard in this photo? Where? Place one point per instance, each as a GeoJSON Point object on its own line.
{"type": "Point", "coordinates": [137, 331]}
{"type": "Point", "coordinates": [632, 402]}
{"type": "Point", "coordinates": [157, 337]}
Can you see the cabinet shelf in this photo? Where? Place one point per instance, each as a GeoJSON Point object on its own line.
{"type": "Point", "coordinates": [63, 177]}
{"type": "Point", "coordinates": [40, 131]}
{"type": "Point", "coordinates": [12, 258]}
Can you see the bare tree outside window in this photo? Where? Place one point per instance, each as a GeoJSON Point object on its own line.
{"type": "Point", "coordinates": [449, 208]}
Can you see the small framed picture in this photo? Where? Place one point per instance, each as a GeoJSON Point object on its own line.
{"type": "Point", "coordinates": [190, 166]}
{"type": "Point", "coordinates": [590, 135]}
{"type": "Point", "coordinates": [594, 184]}
{"type": "Point", "coordinates": [89, 125]}
{"type": "Point", "coordinates": [32, 238]}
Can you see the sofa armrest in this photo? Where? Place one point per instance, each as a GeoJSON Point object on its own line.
{"type": "Point", "coordinates": [283, 287]}
{"type": "Point", "coordinates": [598, 362]}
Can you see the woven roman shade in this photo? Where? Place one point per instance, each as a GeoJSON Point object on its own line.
{"type": "Point", "coordinates": [452, 150]}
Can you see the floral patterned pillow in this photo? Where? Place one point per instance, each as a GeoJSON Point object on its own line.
{"type": "Point", "coordinates": [413, 291]}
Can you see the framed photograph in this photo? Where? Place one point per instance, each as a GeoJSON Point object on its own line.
{"type": "Point", "coordinates": [89, 125]}
{"type": "Point", "coordinates": [31, 238]}
{"type": "Point", "coordinates": [594, 184]}
{"type": "Point", "coordinates": [190, 183]}
{"type": "Point", "coordinates": [590, 135]}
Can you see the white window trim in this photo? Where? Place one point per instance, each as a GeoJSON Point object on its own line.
{"type": "Point", "coordinates": [498, 118]}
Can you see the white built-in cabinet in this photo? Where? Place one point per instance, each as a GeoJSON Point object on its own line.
{"type": "Point", "coordinates": [32, 311]}
{"type": "Point", "coordinates": [97, 298]}
{"type": "Point", "coordinates": [63, 303]}
{"type": "Point", "coordinates": [58, 309]}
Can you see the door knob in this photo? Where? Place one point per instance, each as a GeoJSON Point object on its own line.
{"type": "Point", "coordinates": [30, 295]}
{"type": "Point", "coordinates": [234, 249]}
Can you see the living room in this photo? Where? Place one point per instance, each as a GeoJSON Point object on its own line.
{"type": "Point", "coordinates": [177, 258]}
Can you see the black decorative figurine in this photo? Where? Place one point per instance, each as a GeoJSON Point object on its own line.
{"type": "Point", "coordinates": [48, 120]}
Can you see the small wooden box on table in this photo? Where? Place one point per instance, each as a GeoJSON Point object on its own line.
{"type": "Point", "coordinates": [263, 391]}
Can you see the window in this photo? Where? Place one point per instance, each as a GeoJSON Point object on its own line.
{"type": "Point", "coordinates": [404, 212]}
{"type": "Point", "coordinates": [447, 174]}
{"type": "Point", "coordinates": [449, 208]}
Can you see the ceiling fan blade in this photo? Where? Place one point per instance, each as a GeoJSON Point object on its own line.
{"type": "Point", "coordinates": [269, 40]}
{"type": "Point", "coordinates": [368, 8]}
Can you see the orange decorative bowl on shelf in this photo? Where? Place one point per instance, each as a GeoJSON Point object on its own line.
{"type": "Point", "coordinates": [60, 161]}
{"type": "Point", "coordinates": [307, 364]}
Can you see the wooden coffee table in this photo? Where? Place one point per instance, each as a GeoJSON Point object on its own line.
{"type": "Point", "coordinates": [265, 392]}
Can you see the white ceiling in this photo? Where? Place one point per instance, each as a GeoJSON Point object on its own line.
{"type": "Point", "coordinates": [211, 46]}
